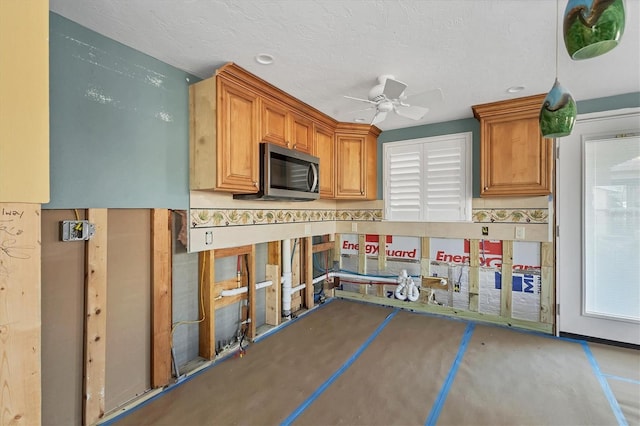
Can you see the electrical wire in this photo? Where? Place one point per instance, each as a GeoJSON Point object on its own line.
{"type": "Point", "coordinates": [179, 323]}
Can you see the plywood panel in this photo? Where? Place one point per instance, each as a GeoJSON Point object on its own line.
{"type": "Point", "coordinates": [62, 321]}
{"type": "Point", "coordinates": [128, 365]}
{"type": "Point", "coordinates": [20, 400]}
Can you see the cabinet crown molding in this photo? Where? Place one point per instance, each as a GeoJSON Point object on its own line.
{"type": "Point", "coordinates": [509, 106]}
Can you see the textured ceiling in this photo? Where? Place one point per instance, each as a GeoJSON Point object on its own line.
{"type": "Point", "coordinates": [471, 49]}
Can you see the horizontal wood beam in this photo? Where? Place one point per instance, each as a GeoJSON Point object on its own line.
{"type": "Point", "coordinates": [233, 251]}
{"type": "Point", "coordinates": [324, 246]}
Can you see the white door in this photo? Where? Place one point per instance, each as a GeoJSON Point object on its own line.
{"type": "Point", "coordinates": [598, 218]}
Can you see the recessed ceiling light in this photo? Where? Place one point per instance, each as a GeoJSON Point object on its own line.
{"type": "Point", "coordinates": [515, 89]}
{"type": "Point", "coordinates": [264, 59]}
{"type": "Point", "coordinates": [359, 120]}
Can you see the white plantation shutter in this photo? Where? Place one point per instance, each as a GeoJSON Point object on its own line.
{"type": "Point", "coordinates": [428, 179]}
{"type": "Point", "coordinates": [444, 181]}
{"type": "Point", "coordinates": [403, 192]}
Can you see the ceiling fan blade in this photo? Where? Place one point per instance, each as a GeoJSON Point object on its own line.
{"type": "Point", "coordinates": [393, 88]}
{"type": "Point", "coordinates": [430, 98]}
{"type": "Point", "coordinates": [379, 117]}
{"type": "Point", "coordinates": [360, 110]}
{"type": "Point", "coordinates": [412, 112]}
{"type": "Point", "coordinates": [359, 99]}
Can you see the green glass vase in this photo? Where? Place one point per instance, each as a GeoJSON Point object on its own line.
{"type": "Point", "coordinates": [558, 112]}
{"type": "Point", "coordinates": [592, 27]}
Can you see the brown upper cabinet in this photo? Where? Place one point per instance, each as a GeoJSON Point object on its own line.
{"type": "Point", "coordinates": [515, 160]}
{"type": "Point", "coordinates": [282, 126]}
{"type": "Point", "coordinates": [356, 161]}
{"type": "Point", "coordinates": [224, 119]}
{"type": "Point", "coordinates": [325, 150]}
{"type": "Point", "coordinates": [233, 111]}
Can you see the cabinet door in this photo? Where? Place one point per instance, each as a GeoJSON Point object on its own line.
{"type": "Point", "coordinates": [274, 122]}
{"type": "Point", "coordinates": [350, 166]}
{"type": "Point", "coordinates": [325, 151]}
{"type": "Point", "coordinates": [237, 142]}
{"type": "Point", "coordinates": [301, 132]}
{"type": "Point", "coordinates": [515, 159]}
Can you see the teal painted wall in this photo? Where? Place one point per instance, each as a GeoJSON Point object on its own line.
{"type": "Point", "coordinates": [628, 100]}
{"type": "Point", "coordinates": [119, 124]}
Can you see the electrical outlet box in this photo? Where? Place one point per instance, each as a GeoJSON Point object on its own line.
{"type": "Point", "coordinates": [76, 230]}
{"type": "Point", "coordinates": [519, 232]}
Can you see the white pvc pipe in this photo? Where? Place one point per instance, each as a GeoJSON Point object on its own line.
{"type": "Point", "coordinates": [263, 284]}
{"type": "Point", "coordinates": [298, 288]}
{"type": "Point", "coordinates": [286, 278]}
{"type": "Point", "coordinates": [234, 291]}
{"type": "Point", "coordinates": [240, 290]}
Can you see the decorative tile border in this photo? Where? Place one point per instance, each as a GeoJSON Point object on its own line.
{"type": "Point", "coordinates": [206, 218]}
{"type": "Point", "coordinates": [511, 215]}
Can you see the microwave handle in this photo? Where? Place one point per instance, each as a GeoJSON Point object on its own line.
{"type": "Point", "coordinates": [313, 170]}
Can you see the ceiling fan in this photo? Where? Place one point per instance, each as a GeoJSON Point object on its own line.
{"type": "Point", "coordinates": [389, 95]}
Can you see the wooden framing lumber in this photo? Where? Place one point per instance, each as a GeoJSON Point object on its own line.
{"type": "Point", "coordinates": [425, 249]}
{"type": "Point", "coordinates": [547, 292]}
{"type": "Point", "coordinates": [506, 290]}
{"type": "Point", "coordinates": [474, 274]}
{"type": "Point", "coordinates": [337, 257]}
{"type": "Point", "coordinates": [252, 291]}
{"type": "Point", "coordinates": [161, 253]}
{"type": "Point", "coordinates": [308, 272]}
{"type": "Point", "coordinates": [206, 274]}
{"type": "Point", "coordinates": [20, 315]}
{"type": "Point", "coordinates": [95, 326]}
{"type": "Point", "coordinates": [329, 245]}
{"type": "Point", "coordinates": [273, 299]}
{"type": "Point", "coordinates": [233, 251]}
{"type": "Point", "coordinates": [362, 260]}
{"type": "Point", "coordinates": [446, 310]}
{"type": "Point", "coordinates": [274, 257]}
{"type": "Point", "coordinates": [382, 261]}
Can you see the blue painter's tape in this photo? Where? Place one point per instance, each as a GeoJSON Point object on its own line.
{"type": "Point", "coordinates": [605, 386]}
{"type": "Point", "coordinates": [442, 396]}
{"type": "Point", "coordinates": [622, 379]}
{"type": "Point", "coordinates": [302, 407]}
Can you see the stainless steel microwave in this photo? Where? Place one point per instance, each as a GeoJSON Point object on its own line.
{"type": "Point", "coordinates": [286, 175]}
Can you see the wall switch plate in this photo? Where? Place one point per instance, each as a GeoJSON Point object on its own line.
{"type": "Point", "coordinates": [76, 230]}
{"type": "Point", "coordinates": [208, 238]}
{"type": "Point", "coordinates": [519, 232]}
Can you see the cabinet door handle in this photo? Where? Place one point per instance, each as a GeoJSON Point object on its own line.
{"type": "Point", "coordinates": [295, 145]}
{"type": "Point", "coordinates": [255, 183]}
{"type": "Point", "coordinates": [361, 192]}
{"type": "Point", "coordinates": [288, 144]}
{"type": "Point", "coordinates": [486, 188]}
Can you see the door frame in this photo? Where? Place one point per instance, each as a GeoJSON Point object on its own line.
{"type": "Point", "coordinates": [562, 296]}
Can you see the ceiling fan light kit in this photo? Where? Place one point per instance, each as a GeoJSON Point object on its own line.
{"type": "Point", "coordinates": [592, 27]}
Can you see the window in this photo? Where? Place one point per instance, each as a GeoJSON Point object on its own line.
{"type": "Point", "coordinates": [428, 179]}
